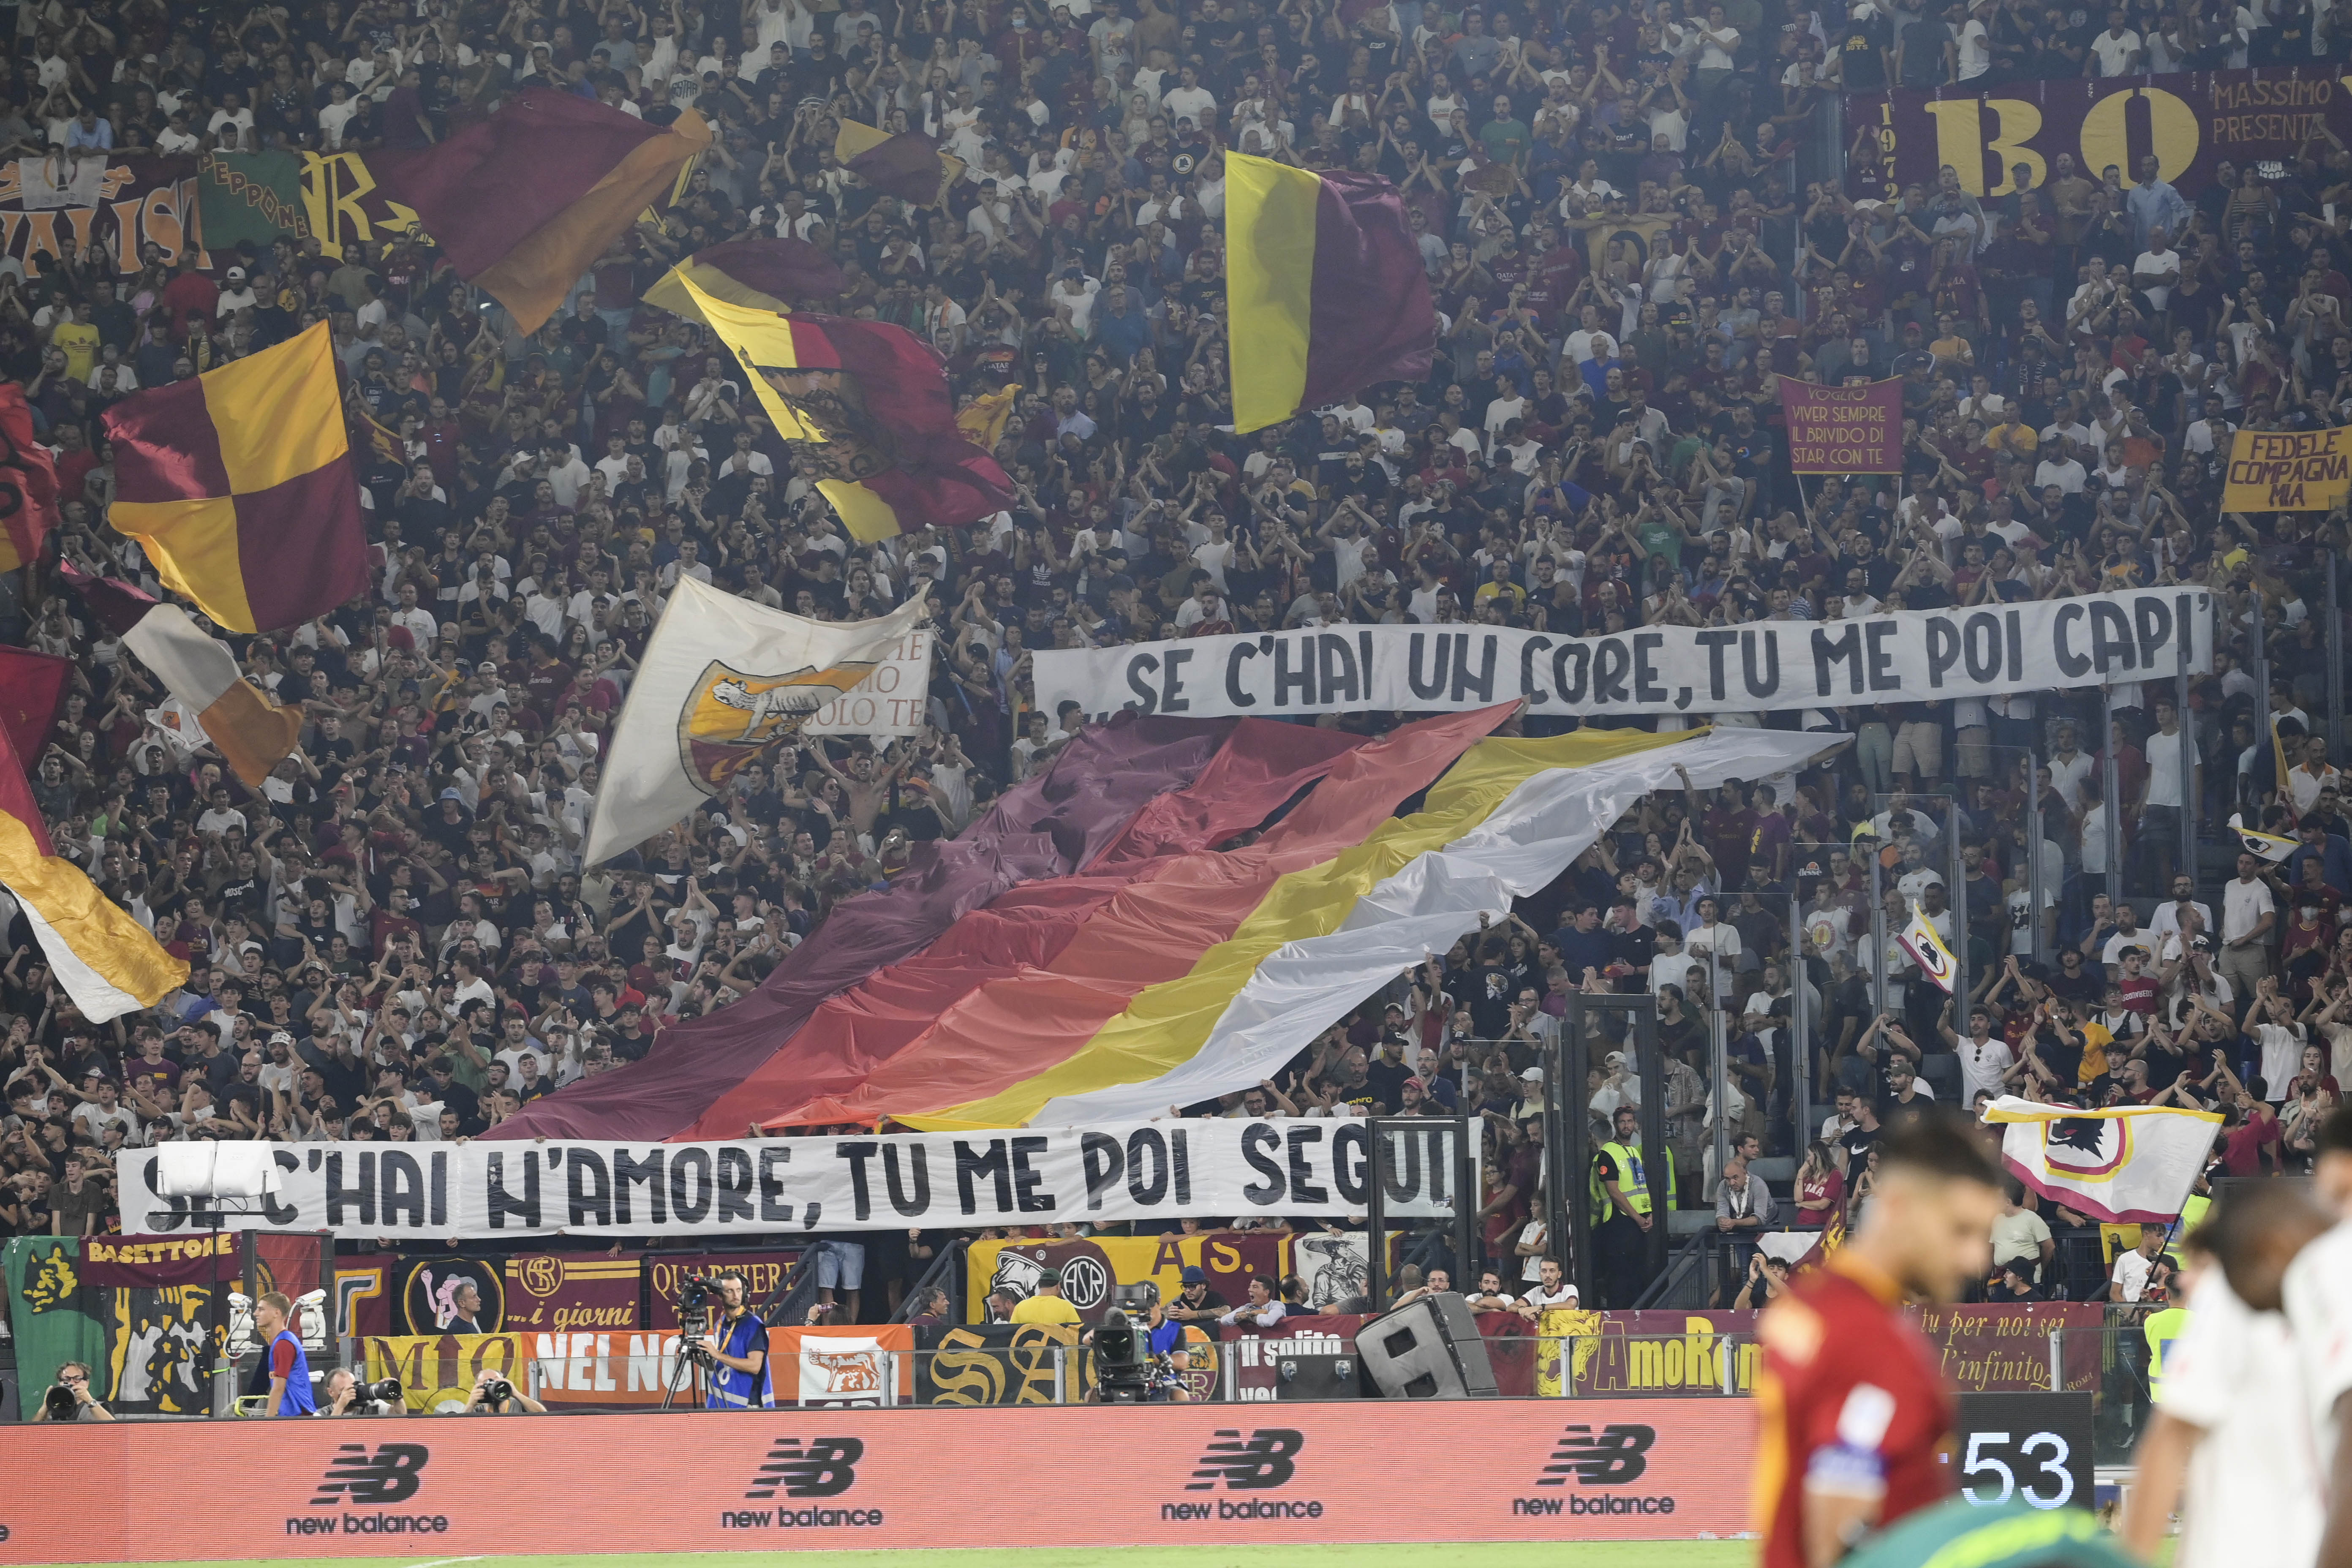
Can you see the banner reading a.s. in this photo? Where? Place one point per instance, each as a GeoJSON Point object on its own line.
{"type": "Point", "coordinates": [1909, 656]}
{"type": "Point", "coordinates": [2194, 120]}
{"type": "Point", "coordinates": [2288, 470]}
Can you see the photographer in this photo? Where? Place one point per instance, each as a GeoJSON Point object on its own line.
{"type": "Point", "coordinates": [494, 1395]}
{"type": "Point", "coordinates": [347, 1396]}
{"type": "Point", "coordinates": [736, 1352]}
{"type": "Point", "coordinates": [72, 1385]}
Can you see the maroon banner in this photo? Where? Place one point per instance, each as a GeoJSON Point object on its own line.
{"type": "Point", "coordinates": [2192, 121]}
{"type": "Point", "coordinates": [116, 205]}
{"type": "Point", "coordinates": [362, 1299]}
{"type": "Point", "coordinates": [151, 1262]}
{"type": "Point", "coordinates": [551, 1292]}
{"type": "Point", "coordinates": [666, 1275]}
{"type": "Point", "coordinates": [1851, 429]}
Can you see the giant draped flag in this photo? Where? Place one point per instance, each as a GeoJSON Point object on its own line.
{"type": "Point", "coordinates": [2135, 1164]}
{"type": "Point", "coordinates": [108, 963]}
{"type": "Point", "coordinates": [239, 484]}
{"type": "Point", "coordinates": [868, 403]}
{"type": "Point", "coordinates": [724, 682]}
{"type": "Point", "coordinates": [1325, 293]}
{"type": "Point", "coordinates": [28, 483]}
{"type": "Point", "coordinates": [243, 723]}
{"type": "Point", "coordinates": [1160, 968]}
{"type": "Point", "coordinates": [522, 203]}
{"type": "Point", "coordinates": [767, 275]}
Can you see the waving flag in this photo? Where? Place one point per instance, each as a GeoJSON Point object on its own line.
{"type": "Point", "coordinates": [242, 721]}
{"type": "Point", "coordinates": [2263, 846]}
{"type": "Point", "coordinates": [722, 683]}
{"type": "Point", "coordinates": [108, 963]}
{"type": "Point", "coordinates": [239, 484]}
{"type": "Point", "coordinates": [524, 202]}
{"type": "Point", "coordinates": [28, 483]}
{"type": "Point", "coordinates": [869, 402]}
{"type": "Point", "coordinates": [1325, 294]}
{"type": "Point", "coordinates": [767, 275]}
{"type": "Point", "coordinates": [908, 165]}
{"type": "Point", "coordinates": [1919, 939]}
{"type": "Point", "coordinates": [2135, 1164]}
{"type": "Point", "coordinates": [32, 690]}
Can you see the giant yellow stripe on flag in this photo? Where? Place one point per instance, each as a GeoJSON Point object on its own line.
{"type": "Point", "coordinates": [1269, 284]}
{"type": "Point", "coordinates": [763, 338]}
{"type": "Point", "coordinates": [1166, 1025]}
{"type": "Point", "coordinates": [108, 963]}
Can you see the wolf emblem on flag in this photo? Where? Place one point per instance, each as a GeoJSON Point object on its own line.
{"type": "Point", "coordinates": [737, 718]}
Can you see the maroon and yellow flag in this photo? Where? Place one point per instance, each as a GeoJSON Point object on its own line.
{"type": "Point", "coordinates": [239, 484]}
{"type": "Point", "coordinates": [28, 483]}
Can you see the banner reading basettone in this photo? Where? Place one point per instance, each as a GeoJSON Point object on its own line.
{"type": "Point", "coordinates": [1146, 1171]}
{"type": "Point", "coordinates": [1909, 656]}
{"type": "Point", "coordinates": [1844, 429]}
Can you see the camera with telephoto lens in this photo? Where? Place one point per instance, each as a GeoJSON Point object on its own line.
{"type": "Point", "coordinates": [60, 1404]}
{"type": "Point", "coordinates": [695, 1291]}
{"type": "Point", "coordinates": [497, 1391]}
{"type": "Point", "coordinates": [385, 1391]}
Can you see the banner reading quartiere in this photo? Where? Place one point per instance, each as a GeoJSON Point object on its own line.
{"type": "Point", "coordinates": [1909, 656]}
{"type": "Point", "coordinates": [1159, 1170]}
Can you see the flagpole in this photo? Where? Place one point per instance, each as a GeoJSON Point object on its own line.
{"type": "Point", "coordinates": [2111, 807]}
{"type": "Point", "coordinates": [1878, 929]}
{"type": "Point", "coordinates": [1959, 916]}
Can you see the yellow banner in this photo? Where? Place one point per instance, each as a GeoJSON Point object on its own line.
{"type": "Point", "coordinates": [1091, 1265]}
{"type": "Point", "coordinates": [2288, 470]}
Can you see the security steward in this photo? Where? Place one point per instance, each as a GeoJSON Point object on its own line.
{"type": "Point", "coordinates": [1621, 1211]}
{"type": "Point", "coordinates": [737, 1348]}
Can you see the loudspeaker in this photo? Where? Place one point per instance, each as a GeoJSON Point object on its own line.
{"type": "Point", "coordinates": [1428, 1348]}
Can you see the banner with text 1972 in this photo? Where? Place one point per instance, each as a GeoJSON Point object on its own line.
{"type": "Point", "coordinates": [2192, 123]}
{"type": "Point", "coordinates": [1906, 655]}
{"type": "Point", "coordinates": [1154, 1171]}
{"type": "Point", "coordinates": [1844, 429]}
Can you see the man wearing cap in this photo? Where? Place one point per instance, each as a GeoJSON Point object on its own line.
{"type": "Point", "coordinates": [1047, 1305]}
{"type": "Point", "coordinates": [1195, 1302]}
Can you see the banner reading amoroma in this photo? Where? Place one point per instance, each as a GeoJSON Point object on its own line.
{"type": "Point", "coordinates": [1148, 1171]}
{"type": "Point", "coordinates": [1909, 656]}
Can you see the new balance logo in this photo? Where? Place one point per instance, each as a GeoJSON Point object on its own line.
{"type": "Point", "coordinates": [826, 1467]}
{"type": "Point", "coordinates": [1260, 1461]}
{"type": "Point", "coordinates": [391, 1473]}
{"type": "Point", "coordinates": [1611, 1457]}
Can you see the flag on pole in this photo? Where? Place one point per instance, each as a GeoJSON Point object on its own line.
{"type": "Point", "coordinates": [1920, 939]}
{"type": "Point", "coordinates": [32, 690]}
{"type": "Point", "coordinates": [108, 963]}
{"type": "Point", "coordinates": [908, 165]}
{"type": "Point", "coordinates": [983, 418]}
{"type": "Point", "coordinates": [242, 721]}
{"type": "Point", "coordinates": [869, 402]}
{"type": "Point", "coordinates": [2263, 846]}
{"type": "Point", "coordinates": [723, 682]}
{"type": "Point", "coordinates": [2278, 761]}
{"type": "Point", "coordinates": [239, 484]}
{"type": "Point", "coordinates": [2130, 1164]}
{"type": "Point", "coordinates": [1325, 293]}
{"type": "Point", "coordinates": [767, 275]}
{"type": "Point", "coordinates": [28, 483]}
{"type": "Point", "coordinates": [524, 202]}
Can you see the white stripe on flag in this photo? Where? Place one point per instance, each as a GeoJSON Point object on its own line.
{"type": "Point", "coordinates": [97, 997]}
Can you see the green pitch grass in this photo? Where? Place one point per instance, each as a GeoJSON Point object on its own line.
{"type": "Point", "coordinates": [1600, 1554]}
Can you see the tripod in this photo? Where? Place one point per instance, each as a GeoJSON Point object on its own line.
{"type": "Point", "coordinates": [693, 1323]}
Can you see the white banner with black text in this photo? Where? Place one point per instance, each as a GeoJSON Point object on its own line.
{"type": "Point", "coordinates": [1218, 1170]}
{"type": "Point", "coordinates": [1909, 656]}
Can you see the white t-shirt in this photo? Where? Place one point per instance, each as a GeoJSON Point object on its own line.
{"type": "Point", "coordinates": [2243, 904]}
{"type": "Point", "coordinates": [2251, 1494]}
{"type": "Point", "coordinates": [2318, 1300]}
{"type": "Point", "coordinates": [2130, 1277]}
{"type": "Point", "coordinates": [1981, 1067]}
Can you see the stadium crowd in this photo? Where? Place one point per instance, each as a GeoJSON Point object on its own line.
{"type": "Point", "coordinates": [395, 939]}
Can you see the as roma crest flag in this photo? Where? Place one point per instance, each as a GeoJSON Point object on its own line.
{"type": "Point", "coordinates": [724, 682]}
{"type": "Point", "coordinates": [2133, 1164]}
{"type": "Point", "coordinates": [1325, 293]}
{"type": "Point", "coordinates": [1919, 939]}
{"type": "Point", "coordinates": [239, 484]}
{"type": "Point", "coordinates": [870, 403]}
